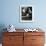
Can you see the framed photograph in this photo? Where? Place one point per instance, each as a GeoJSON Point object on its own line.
{"type": "Point", "coordinates": [26, 13]}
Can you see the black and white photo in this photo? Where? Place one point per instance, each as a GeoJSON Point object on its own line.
{"type": "Point", "coordinates": [26, 13]}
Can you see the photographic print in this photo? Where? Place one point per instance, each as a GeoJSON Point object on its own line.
{"type": "Point", "coordinates": [26, 13]}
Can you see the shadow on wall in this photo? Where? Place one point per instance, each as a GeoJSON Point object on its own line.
{"type": "Point", "coordinates": [2, 26]}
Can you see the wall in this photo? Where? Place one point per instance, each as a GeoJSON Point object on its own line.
{"type": "Point", "coordinates": [9, 13]}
